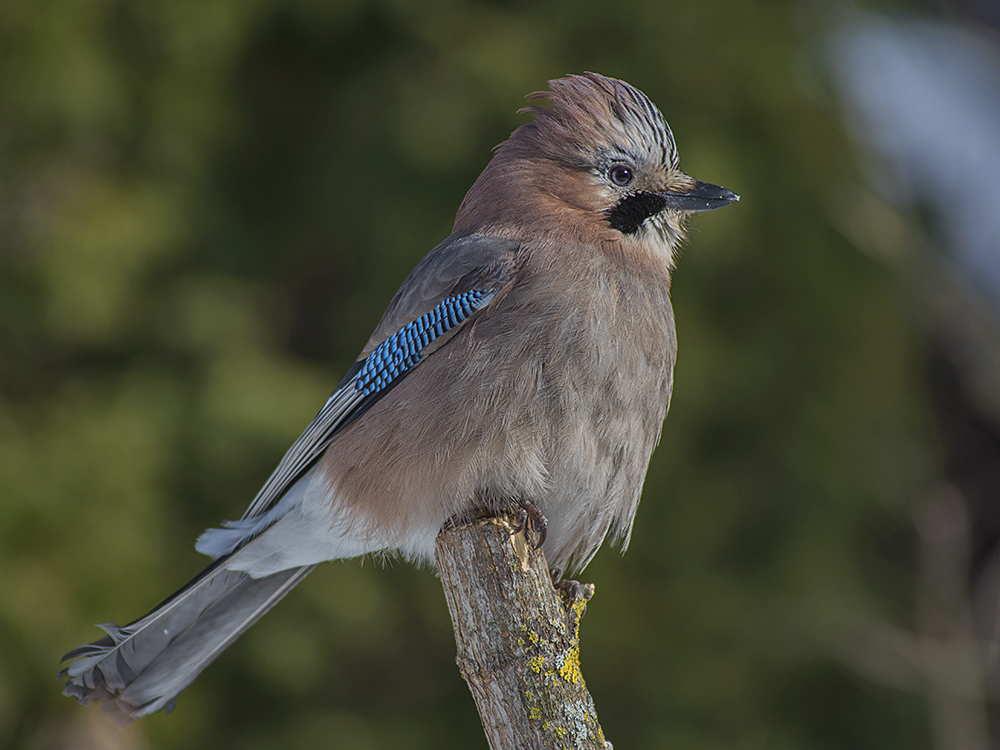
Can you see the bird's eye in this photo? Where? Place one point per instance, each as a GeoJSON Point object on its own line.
{"type": "Point", "coordinates": [621, 175]}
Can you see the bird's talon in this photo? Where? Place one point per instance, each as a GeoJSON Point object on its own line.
{"type": "Point", "coordinates": [542, 533]}
{"type": "Point", "coordinates": [529, 517]}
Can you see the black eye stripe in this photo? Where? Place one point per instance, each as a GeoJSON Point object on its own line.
{"type": "Point", "coordinates": [631, 211]}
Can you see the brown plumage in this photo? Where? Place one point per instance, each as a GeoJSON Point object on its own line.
{"type": "Point", "coordinates": [528, 359]}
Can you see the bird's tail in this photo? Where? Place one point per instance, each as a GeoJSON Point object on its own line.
{"type": "Point", "coordinates": [140, 668]}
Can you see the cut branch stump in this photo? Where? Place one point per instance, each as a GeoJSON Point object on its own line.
{"type": "Point", "coordinates": [518, 638]}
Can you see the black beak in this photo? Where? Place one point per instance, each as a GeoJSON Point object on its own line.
{"type": "Point", "coordinates": [702, 197]}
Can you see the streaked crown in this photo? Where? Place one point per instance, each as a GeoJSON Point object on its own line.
{"type": "Point", "coordinates": [580, 112]}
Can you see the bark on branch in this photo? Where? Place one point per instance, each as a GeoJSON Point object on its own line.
{"type": "Point", "coordinates": [518, 639]}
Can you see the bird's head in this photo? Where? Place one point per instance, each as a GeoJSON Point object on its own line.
{"type": "Point", "coordinates": [598, 163]}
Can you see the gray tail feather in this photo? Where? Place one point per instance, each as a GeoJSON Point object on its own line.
{"type": "Point", "coordinates": [140, 668]}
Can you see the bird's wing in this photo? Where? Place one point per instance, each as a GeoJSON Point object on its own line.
{"type": "Point", "coordinates": [455, 280]}
{"type": "Point", "coordinates": [457, 265]}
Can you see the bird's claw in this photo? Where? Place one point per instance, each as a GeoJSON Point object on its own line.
{"type": "Point", "coordinates": [530, 518]}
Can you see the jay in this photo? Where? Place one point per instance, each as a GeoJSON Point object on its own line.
{"type": "Point", "coordinates": [526, 363]}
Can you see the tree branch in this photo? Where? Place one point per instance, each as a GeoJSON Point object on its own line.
{"type": "Point", "coordinates": [518, 639]}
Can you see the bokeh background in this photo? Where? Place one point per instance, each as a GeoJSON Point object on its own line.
{"type": "Point", "coordinates": [205, 206]}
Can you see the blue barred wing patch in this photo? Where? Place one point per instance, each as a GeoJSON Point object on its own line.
{"type": "Point", "coordinates": [400, 352]}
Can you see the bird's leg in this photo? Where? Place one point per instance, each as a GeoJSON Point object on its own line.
{"type": "Point", "coordinates": [530, 518]}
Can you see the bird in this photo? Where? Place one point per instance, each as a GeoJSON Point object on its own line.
{"type": "Point", "coordinates": [525, 365]}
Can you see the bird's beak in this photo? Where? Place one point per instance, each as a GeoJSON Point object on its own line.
{"type": "Point", "coordinates": [702, 197]}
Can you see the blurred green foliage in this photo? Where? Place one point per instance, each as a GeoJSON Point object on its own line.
{"type": "Point", "coordinates": [204, 208]}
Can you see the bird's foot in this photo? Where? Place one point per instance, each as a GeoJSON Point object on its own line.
{"type": "Point", "coordinates": [573, 589]}
{"type": "Point", "coordinates": [530, 518]}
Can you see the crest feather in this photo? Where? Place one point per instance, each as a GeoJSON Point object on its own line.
{"type": "Point", "coordinates": [577, 110]}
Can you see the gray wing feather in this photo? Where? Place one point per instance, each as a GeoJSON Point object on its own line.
{"type": "Point", "coordinates": [307, 448]}
{"type": "Point", "coordinates": [142, 667]}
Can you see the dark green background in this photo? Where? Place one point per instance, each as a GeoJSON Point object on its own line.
{"type": "Point", "coordinates": [205, 205]}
